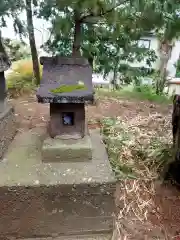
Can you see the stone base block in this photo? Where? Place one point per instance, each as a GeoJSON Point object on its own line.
{"type": "Point", "coordinates": [47, 211]}
{"type": "Point", "coordinates": [80, 237]}
{"type": "Point", "coordinates": [7, 129]}
{"type": "Point", "coordinates": [67, 150]}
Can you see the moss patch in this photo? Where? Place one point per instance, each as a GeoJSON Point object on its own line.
{"type": "Point", "coordinates": [69, 88]}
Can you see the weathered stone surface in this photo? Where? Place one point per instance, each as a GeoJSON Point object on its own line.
{"type": "Point", "coordinates": [56, 127]}
{"type": "Point", "coordinates": [58, 71]}
{"type": "Point", "coordinates": [58, 150]}
{"type": "Point", "coordinates": [83, 237]}
{"type": "Point", "coordinates": [22, 164]}
{"type": "Point", "coordinates": [39, 199]}
{"type": "Point", "coordinates": [36, 214]}
{"type": "Point", "coordinates": [7, 128]}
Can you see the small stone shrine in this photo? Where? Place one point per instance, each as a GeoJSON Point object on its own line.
{"type": "Point", "coordinates": [86, 184]}
{"type": "Point", "coordinates": [7, 117]}
{"type": "Point", "coordinates": [66, 85]}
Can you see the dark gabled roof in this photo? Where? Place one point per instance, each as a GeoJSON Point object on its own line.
{"type": "Point", "coordinates": [59, 71]}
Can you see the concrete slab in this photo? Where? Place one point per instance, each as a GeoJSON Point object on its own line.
{"type": "Point", "coordinates": [22, 165]}
{"type": "Point", "coordinates": [42, 199]}
{"type": "Point", "coordinates": [67, 150]}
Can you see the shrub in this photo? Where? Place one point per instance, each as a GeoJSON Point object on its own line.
{"type": "Point", "coordinates": [20, 80]}
{"type": "Point", "coordinates": [147, 92]}
{"type": "Point", "coordinates": [143, 89]}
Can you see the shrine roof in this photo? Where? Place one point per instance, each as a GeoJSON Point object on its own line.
{"type": "Point", "coordinates": [65, 80]}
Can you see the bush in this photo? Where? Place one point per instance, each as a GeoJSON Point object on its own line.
{"type": "Point", "coordinates": [146, 92]}
{"type": "Point", "coordinates": [144, 89]}
{"type": "Point", "coordinates": [20, 80]}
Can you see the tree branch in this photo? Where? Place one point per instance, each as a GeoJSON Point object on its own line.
{"type": "Point", "coordinates": [83, 18]}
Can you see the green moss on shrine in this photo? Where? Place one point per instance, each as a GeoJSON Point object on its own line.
{"type": "Point", "coordinates": [69, 88]}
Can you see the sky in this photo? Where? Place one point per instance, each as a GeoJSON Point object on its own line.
{"type": "Point", "coordinates": [40, 29]}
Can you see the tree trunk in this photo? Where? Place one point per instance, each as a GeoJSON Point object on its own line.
{"type": "Point", "coordinates": [165, 53]}
{"type": "Point", "coordinates": [32, 42]}
{"type": "Point", "coordinates": [77, 36]}
{"type": "Point", "coordinates": [115, 84]}
{"type": "Point", "coordinates": [91, 60]}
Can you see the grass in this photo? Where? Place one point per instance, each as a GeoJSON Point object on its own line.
{"type": "Point", "coordinates": [130, 92]}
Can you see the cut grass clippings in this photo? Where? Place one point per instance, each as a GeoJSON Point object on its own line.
{"type": "Point", "coordinates": [134, 154]}
{"type": "Point", "coordinates": [137, 158]}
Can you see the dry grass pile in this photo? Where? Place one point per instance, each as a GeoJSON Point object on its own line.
{"type": "Point", "coordinates": [137, 212]}
{"type": "Point", "coordinates": [139, 150]}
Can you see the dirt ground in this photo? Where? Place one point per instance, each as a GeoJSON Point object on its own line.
{"type": "Point", "coordinates": [30, 113]}
{"type": "Point", "coordinates": [164, 214]}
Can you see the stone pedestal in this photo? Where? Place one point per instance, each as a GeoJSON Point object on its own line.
{"type": "Point", "coordinates": [67, 150]}
{"type": "Point", "coordinates": [7, 128]}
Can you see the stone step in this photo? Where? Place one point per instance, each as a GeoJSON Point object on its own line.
{"type": "Point", "coordinates": [80, 237]}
